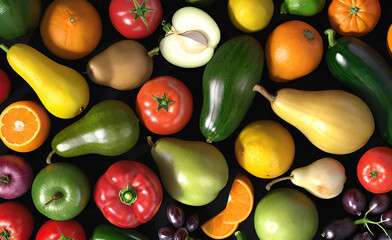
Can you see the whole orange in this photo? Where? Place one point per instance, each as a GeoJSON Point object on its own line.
{"type": "Point", "coordinates": [389, 40]}
{"type": "Point", "coordinates": [293, 50]}
{"type": "Point", "coordinates": [71, 29]}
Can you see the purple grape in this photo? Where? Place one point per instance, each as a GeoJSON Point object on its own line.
{"type": "Point", "coordinates": [166, 233]}
{"type": "Point", "coordinates": [192, 222]}
{"type": "Point", "coordinates": [379, 203]}
{"type": "Point", "coordinates": [339, 229]}
{"type": "Point", "coordinates": [383, 236]}
{"type": "Point", "coordinates": [354, 201]}
{"type": "Point", "coordinates": [181, 234]}
{"type": "Point", "coordinates": [363, 236]}
{"type": "Point", "coordinates": [386, 217]}
{"type": "Point", "coordinates": [175, 215]}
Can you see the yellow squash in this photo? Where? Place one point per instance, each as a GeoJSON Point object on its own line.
{"type": "Point", "coordinates": [335, 121]}
{"type": "Point", "coordinates": [63, 91]}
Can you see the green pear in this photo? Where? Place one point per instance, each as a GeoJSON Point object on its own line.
{"type": "Point", "coordinates": [192, 172]}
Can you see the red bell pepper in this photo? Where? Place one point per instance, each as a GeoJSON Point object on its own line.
{"type": "Point", "coordinates": [128, 194]}
{"type": "Point", "coordinates": [374, 170]}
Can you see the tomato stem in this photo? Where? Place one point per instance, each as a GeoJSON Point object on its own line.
{"type": "Point", "coordinates": [373, 174]}
{"type": "Point", "coordinates": [331, 37]}
{"type": "Point", "coordinates": [5, 179]}
{"type": "Point", "coordinates": [163, 102]}
{"type": "Point", "coordinates": [354, 10]}
{"type": "Point", "coordinates": [4, 47]}
{"type": "Point", "coordinates": [5, 234]}
{"type": "Point", "coordinates": [128, 195]}
{"type": "Point", "coordinates": [140, 11]}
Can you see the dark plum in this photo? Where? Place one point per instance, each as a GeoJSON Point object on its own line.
{"type": "Point", "coordinates": [192, 222]}
{"type": "Point", "coordinates": [166, 233]}
{"type": "Point", "coordinates": [175, 215]}
{"type": "Point", "coordinates": [354, 201]}
{"type": "Point", "coordinates": [379, 203]}
{"type": "Point", "coordinates": [363, 236]}
{"type": "Point", "coordinates": [181, 234]}
{"type": "Point", "coordinates": [386, 218]}
{"type": "Point", "coordinates": [339, 229]}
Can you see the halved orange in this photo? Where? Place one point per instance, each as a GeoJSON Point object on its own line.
{"type": "Point", "coordinates": [24, 126]}
{"type": "Point", "coordinates": [215, 227]}
{"type": "Point", "coordinates": [240, 202]}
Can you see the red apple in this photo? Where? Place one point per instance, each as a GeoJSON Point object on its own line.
{"type": "Point", "coordinates": [5, 86]}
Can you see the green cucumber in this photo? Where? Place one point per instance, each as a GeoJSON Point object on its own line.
{"type": "Point", "coordinates": [228, 80]}
{"type": "Point", "coordinates": [363, 69]}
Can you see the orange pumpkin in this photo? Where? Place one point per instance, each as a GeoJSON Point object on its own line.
{"type": "Point", "coordinates": [71, 29]}
{"type": "Point", "coordinates": [354, 18]}
{"type": "Point", "coordinates": [293, 50]}
{"type": "Point", "coordinates": [389, 40]}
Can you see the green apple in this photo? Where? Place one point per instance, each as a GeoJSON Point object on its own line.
{"type": "Point", "coordinates": [286, 214]}
{"type": "Point", "coordinates": [60, 191]}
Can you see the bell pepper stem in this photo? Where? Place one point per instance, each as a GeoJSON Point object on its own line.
{"type": "Point", "coordinates": [53, 198]}
{"type": "Point", "coordinates": [5, 179]}
{"type": "Point", "coordinates": [4, 47]}
{"type": "Point", "coordinates": [128, 195]}
{"type": "Point", "coordinates": [331, 37]}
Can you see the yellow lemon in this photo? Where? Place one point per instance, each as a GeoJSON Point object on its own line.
{"type": "Point", "coordinates": [265, 149]}
{"type": "Point", "coordinates": [250, 15]}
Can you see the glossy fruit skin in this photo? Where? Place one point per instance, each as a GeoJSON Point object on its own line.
{"type": "Point", "coordinates": [291, 58]}
{"type": "Point", "coordinates": [354, 18]}
{"type": "Point", "coordinates": [124, 21]}
{"type": "Point", "coordinates": [374, 170]}
{"type": "Point", "coordinates": [109, 128]}
{"type": "Point", "coordinates": [302, 7]}
{"type": "Point", "coordinates": [5, 86]}
{"type": "Point", "coordinates": [140, 178]}
{"type": "Point", "coordinates": [53, 230]}
{"type": "Point", "coordinates": [339, 229]}
{"type": "Point", "coordinates": [19, 17]}
{"type": "Point", "coordinates": [237, 62]}
{"type": "Point", "coordinates": [19, 178]}
{"type": "Point", "coordinates": [284, 207]}
{"type": "Point", "coordinates": [250, 16]}
{"type": "Point", "coordinates": [66, 179]}
{"type": "Point", "coordinates": [353, 201]}
{"type": "Point", "coordinates": [71, 29]}
{"type": "Point", "coordinates": [389, 40]}
{"type": "Point", "coordinates": [66, 97]}
{"type": "Point", "coordinates": [361, 68]}
{"type": "Point", "coordinates": [161, 121]}
{"type": "Point", "coordinates": [379, 203]}
{"type": "Point", "coordinates": [17, 220]}
{"type": "Point", "coordinates": [110, 232]}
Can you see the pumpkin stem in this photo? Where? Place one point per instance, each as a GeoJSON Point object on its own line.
{"type": "Point", "coordinates": [283, 8]}
{"type": "Point", "coordinates": [331, 37]}
{"type": "Point", "coordinates": [140, 11]}
{"type": "Point", "coordinates": [354, 10]}
{"type": "Point", "coordinates": [308, 34]}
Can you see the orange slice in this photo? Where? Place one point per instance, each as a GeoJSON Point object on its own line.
{"type": "Point", "coordinates": [240, 202]}
{"type": "Point", "coordinates": [24, 126]}
{"type": "Point", "coordinates": [215, 228]}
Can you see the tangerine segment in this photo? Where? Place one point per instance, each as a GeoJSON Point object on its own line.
{"type": "Point", "coordinates": [24, 126]}
{"type": "Point", "coordinates": [215, 227]}
{"type": "Point", "coordinates": [240, 202]}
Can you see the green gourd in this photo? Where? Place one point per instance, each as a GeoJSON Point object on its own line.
{"type": "Point", "coordinates": [228, 80]}
{"type": "Point", "coordinates": [109, 128]}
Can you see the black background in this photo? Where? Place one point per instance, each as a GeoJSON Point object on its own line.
{"type": "Point", "coordinates": [95, 165]}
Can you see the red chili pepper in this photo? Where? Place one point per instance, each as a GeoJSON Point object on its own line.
{"type": "Point", "coordinates": [128, 194]}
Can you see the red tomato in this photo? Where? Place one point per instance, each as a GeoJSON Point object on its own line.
{"type": "Point", "coordinates": [135, 19]}
{"type": "Point", "coordinates": [128, 194]}
{"type": "Point", "coordinates": [53, 230]}
{"type": "Point", "coordinates": [5, 86]}
{"type": "Point", "coordinates": [374, 170]}
{"type": "Point", "coordinates": [164, 105]}
{"type": "Point", "coordinates": [16, 221]}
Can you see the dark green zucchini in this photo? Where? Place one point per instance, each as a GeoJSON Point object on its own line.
{"type": "Point", "coordinates": [228, 80]}
{"type": "Point", "coordinates": [363, 69]}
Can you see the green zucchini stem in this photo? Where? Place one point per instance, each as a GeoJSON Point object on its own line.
{"type": "Point", "coordinates": [264, 92]}
{"type": "Point", "coordinates": [331, 37]}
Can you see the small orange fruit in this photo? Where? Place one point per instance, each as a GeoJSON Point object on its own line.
{"type": "Point", "coordinates": [389, 40]}
{"type": "Point", "coordinates": [215, 227]}
{"type": "Point", "coordinates": [24, 126]}
{"type": "Point", "coordinates": [240, 202]}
